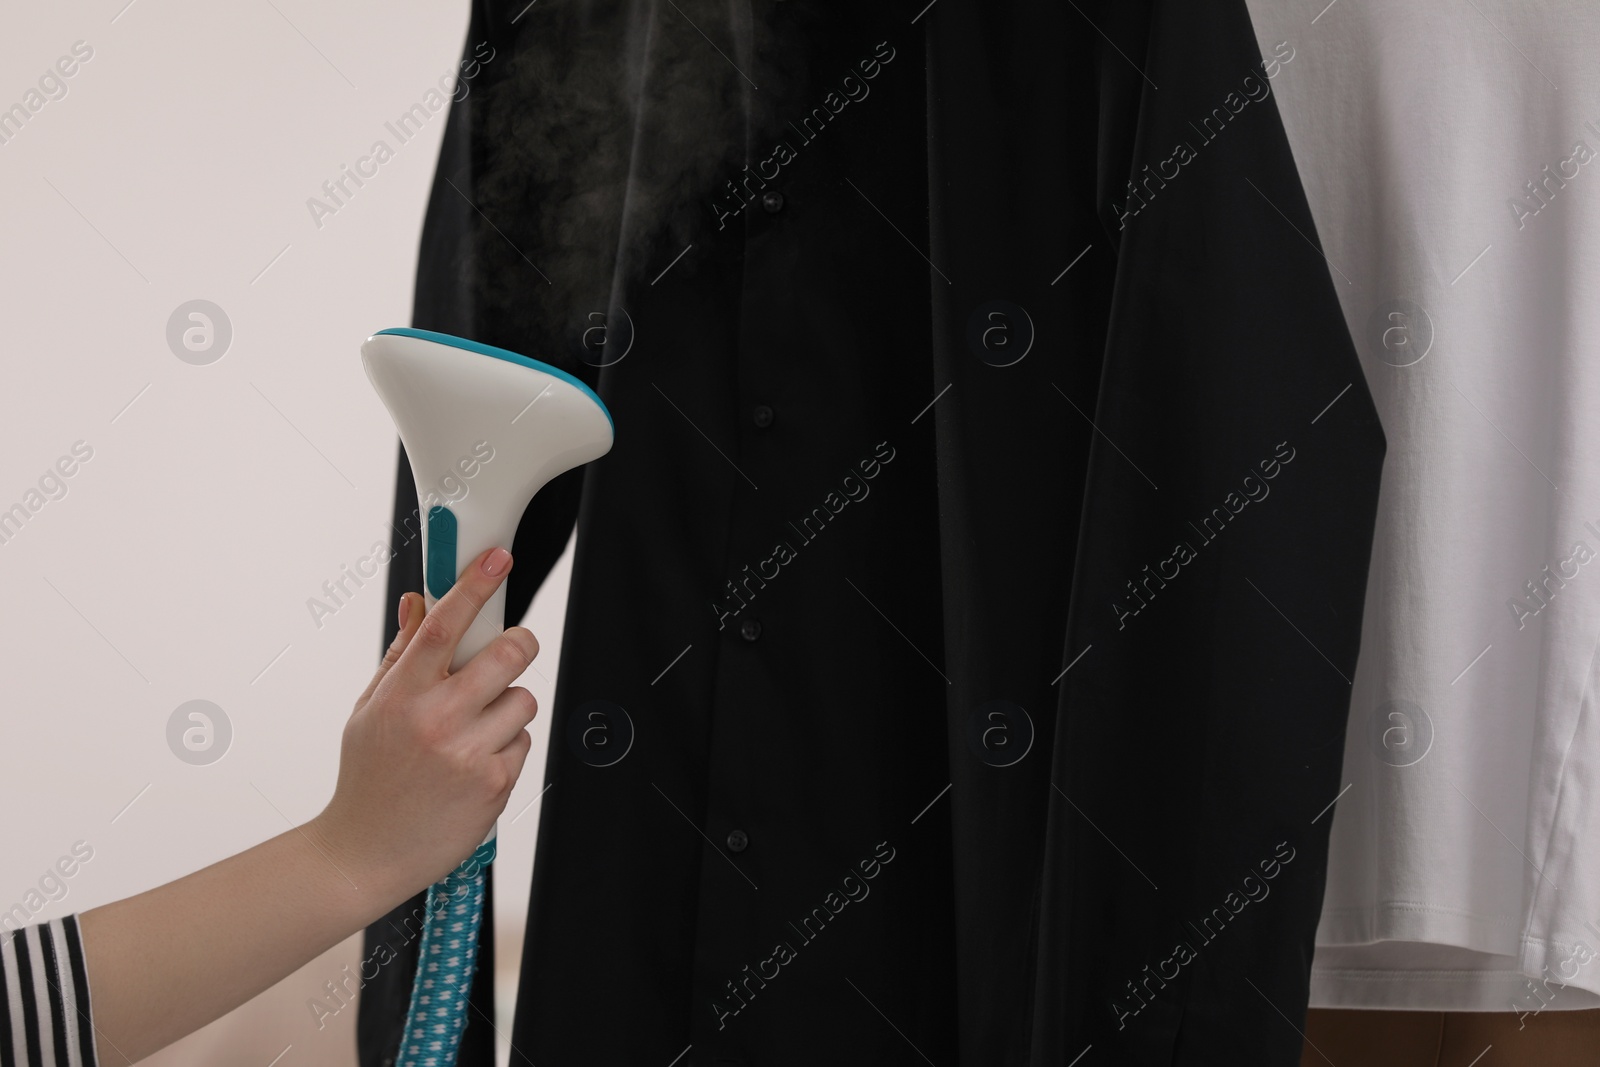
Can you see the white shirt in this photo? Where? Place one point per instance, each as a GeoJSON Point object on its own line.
{"type": "Point", "coordinates": [1450, 153]}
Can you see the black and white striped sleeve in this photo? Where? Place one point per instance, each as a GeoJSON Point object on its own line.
{"type": "Point", "coordinates": [44, 997]}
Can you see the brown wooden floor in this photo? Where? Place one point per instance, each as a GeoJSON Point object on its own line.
{"type": "Point", "coordinates": [1340, 1038]}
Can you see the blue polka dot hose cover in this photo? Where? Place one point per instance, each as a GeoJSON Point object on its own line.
{"type": "Point", "coordinates": [446, 960]}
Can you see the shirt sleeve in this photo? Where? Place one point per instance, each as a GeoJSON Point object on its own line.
{"type": "Point", "coordinates": [44, 997]}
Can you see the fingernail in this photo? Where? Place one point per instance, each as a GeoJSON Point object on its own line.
{"type": "Point", "coordinates": [496, 562]}
{"type": "Point", "coordinates": [405, 609]}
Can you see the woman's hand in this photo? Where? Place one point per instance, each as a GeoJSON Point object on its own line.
{"type": "Point", "coordinates": [429, 757]}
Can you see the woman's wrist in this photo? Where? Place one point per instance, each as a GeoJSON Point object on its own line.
{"type": "Point", "coordinates": [377, 882]}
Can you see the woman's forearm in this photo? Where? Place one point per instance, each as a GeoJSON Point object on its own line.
{"type": "Point", "coordinates": [168, 961]}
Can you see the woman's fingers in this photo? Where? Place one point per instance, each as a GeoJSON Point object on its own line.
{"type": "Point", "coordinates": [513, 756]}
{"type": "Point", "coordinates": [427, 658]}
{"type": "Point", "coordinates": [506, 716]}
{"type": "Point", "coordinates": [411, 610]}
{"type": "Point", "coordinates": [500, 663]}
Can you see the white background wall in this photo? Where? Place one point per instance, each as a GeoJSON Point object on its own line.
{"type": "Point", "coordinates": [220, 497]}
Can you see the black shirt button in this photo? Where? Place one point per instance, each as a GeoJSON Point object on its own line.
{"type": "Point", "coordinates": [750, 629]}
{"type": "Point", "coordinates": [738, 841]}
{"type": "Point", "coordinates": [772, 201]}
{"type": "Point", "coordinates": [762, 416]}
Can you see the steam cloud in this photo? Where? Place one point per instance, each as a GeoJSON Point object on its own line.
{"type": "Point", "coordinates": [603, 134]}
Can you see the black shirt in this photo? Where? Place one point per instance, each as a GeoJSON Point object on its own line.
{"type": "Point", "coordinates": [967, 606]}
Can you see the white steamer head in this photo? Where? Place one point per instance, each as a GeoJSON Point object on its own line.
{"type": "Point", "coordinates": [485, 429]}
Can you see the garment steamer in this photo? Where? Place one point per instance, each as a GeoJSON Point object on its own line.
{"type": "Point", "coordinates": [454, 402]}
